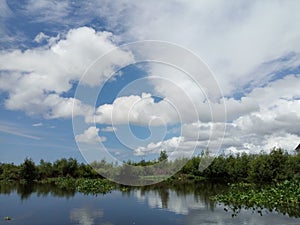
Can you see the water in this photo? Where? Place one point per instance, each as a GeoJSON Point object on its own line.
{"type": "Point", "coordinates": [181, 204]}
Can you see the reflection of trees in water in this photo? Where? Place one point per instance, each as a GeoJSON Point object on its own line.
{"type": "Point", "coordinates": [24, 190]}
{"type": "Point", "coordinates": [201, 192]}
{"type": "Point", "coordinates": [164, 195]}
{"type": "Point", "coordinates": [7, 188]}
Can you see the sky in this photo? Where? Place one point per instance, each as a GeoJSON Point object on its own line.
{"type": "Point", "coordinates": [124, 80]}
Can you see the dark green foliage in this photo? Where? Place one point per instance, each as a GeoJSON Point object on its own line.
{"type": "Point", "coordinates": [45, 169]}
{"type": "Point", "coordinates": [217, 169]}
{"type": "Point", "coordinates": [9, 172]}
{"type": "Point", "coordinates": [28, 170]}
{"type": "Point", "coordinates": [66, 167]}
{"type": "Point", "coordinates": [292, 167]}
{"type": "Point", "coordinates": [192, 167]}
{"type": "Point", "coordinates": [163, 156]}
{"type": "Point", "coordinates": [1, 169]}
{"type": "Point", "coordinates": [261, 168]}
{"type": "Point", "coordinates": [86, 171]}
{"type": "Point", "coordinates": [265, 168]}
{"type": "Point", "coordinates": [84, 185]}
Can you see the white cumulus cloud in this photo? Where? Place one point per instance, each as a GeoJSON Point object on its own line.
{"type": "Point", "coordinates": [36, 78]}
{"type": "Point", "coordinates": [136, 109]}
{"type": "Point", "coordinates": [90, 136]}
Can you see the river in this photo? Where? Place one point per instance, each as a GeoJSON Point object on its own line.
{"type": "Point", "coordinates": [180, 204]}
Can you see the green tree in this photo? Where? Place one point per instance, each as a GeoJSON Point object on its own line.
{"type": "Point", "coordinates": [278, 159]}
{"type": "Point", "coordinates": [217, 169]}
{"type": "Point", "coordinates": [9, 172]}
{"type": "Point", "coordinates": [163, 156]}
{"type": "Point", "coordinates": [192, 166]}
{"type": "Point", "coordinates": [237, 167]}
{"type": "Point", "coordinates": [261, 169]}
{"type": "Point", "coordinates": [45, 169]}
{"type": "Point", "coordinates": [1, 169]}
{"type": "Point", "coordinates": [28, 171]}
{"type": "Point", "coordinates": [86, 171]}
{"type": "Point", "coordinates": [292, 167]}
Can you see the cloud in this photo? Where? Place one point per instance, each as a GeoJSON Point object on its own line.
{"type": "Point", "coordinates": [36, 78]}
{"type": "Point", "coordinates": [15, 130]}
{"type": "Point", "coordinates": [5, 13]}
{"type": "Point", "coordinates": [41, 37]}
{"type": "Point", "coordinates": [250, 47]}
{"type": "Point", "coordinates": [47, 11]}
{"type": "Point", "coordinates": [136, 109]}
{"type": "Point", "coordinates": [37, 124]}
{"type": "Point", "coordinates": [279, 108]}
{"type": "Point", "coordinates": [171, 146]}
{"type": "Point", "coordinates": [273, 122]}
{"type": "Point", "coordinates": [109, 129]}
{"type": "Point", "coordinates": [239, 40]}
{"type": "Point", "coordinates": [90, 136]}
{"type": "Point", "coordinates": [284, 88]}
{"type": "Point", "coordinates": [254, 122]}
{"type": "Point", "coordinates": [175, 108]}
{"type": "Point", "coordinates": [236, 39]}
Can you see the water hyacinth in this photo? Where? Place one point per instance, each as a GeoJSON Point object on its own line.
{"type": "Point", "coordinates": [283, 197]}
{"type": "Point", "coordinates": [84, 185]}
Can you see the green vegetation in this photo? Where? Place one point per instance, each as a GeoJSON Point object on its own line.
{"type": "Point", "coordinates": [28, 171]}
{"type": "Point", "coordinates": [163, 156]}
{"type": "Point", "coordinates": [282, 197]}
{"type": "Point", "coordinates": [260, 168]}
{"type": "Point", "coordinates": [66, 174]}
{"type": "Point", "coordinates": [83, 185]}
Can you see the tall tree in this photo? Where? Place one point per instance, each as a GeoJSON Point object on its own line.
{"type": "Point", "coordinates": [28, 170]}
{"type": "Point", "coordinates": [163, 156]}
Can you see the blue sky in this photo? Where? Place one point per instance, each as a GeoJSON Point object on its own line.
{"type": "Point", "coordinates": [211, 59]}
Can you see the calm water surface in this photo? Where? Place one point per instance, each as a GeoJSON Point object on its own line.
{"type": "Point", "coordinates": [184, 204]}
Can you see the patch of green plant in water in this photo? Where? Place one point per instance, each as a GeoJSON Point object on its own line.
{"type": "Point", "coordinates": [94, 186]}
{"type": "Point", "coordinates": [83, 185]}
{"type": "Point", "coordinates": [282, 197]}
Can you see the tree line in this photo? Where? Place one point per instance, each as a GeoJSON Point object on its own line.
{"type": "Point", "coordinates": [261, 168]}
{"type": "Point", "coordinates": [29, 171]}
{"type": "Point", "coordinates": [278, 165]}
